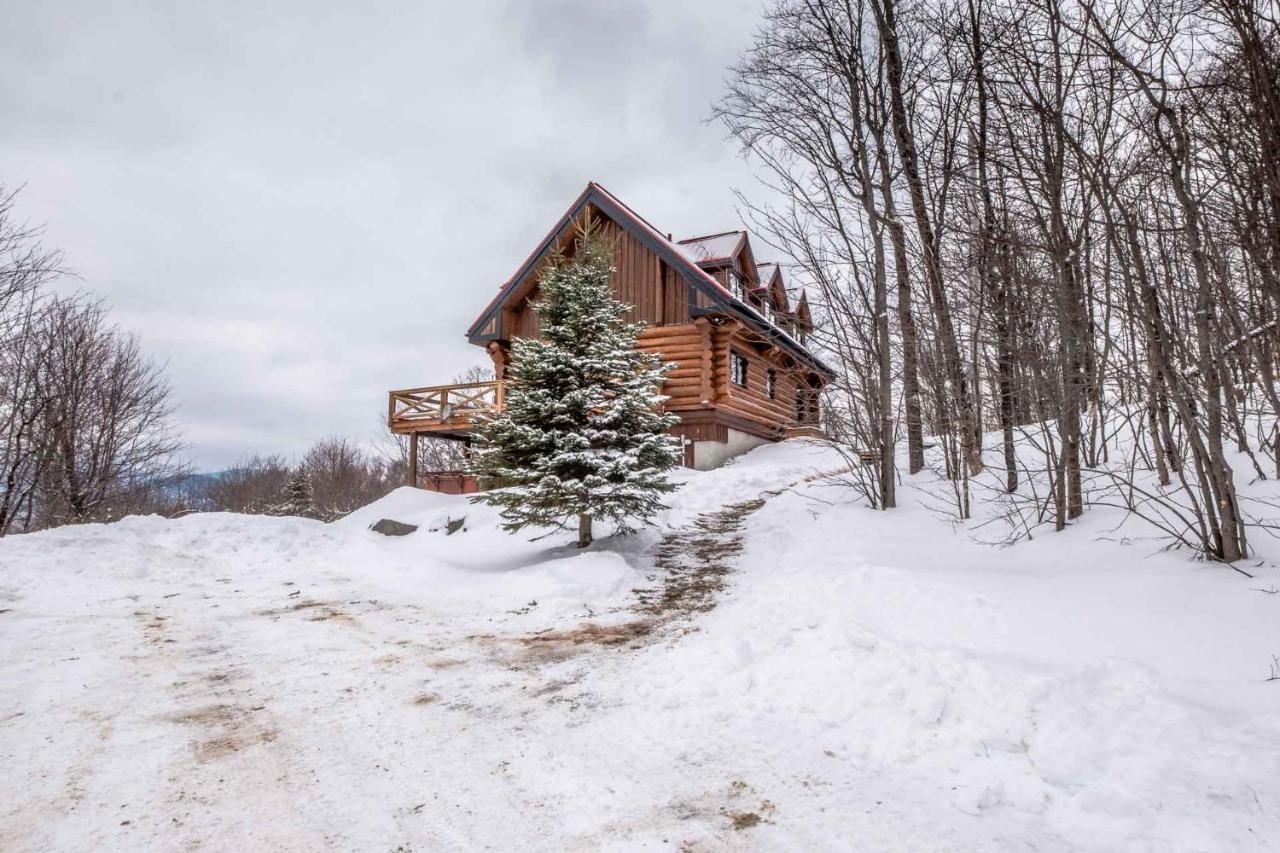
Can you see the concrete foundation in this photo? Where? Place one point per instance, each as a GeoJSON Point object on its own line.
{"type": "Point", "coordinates": [713, 454]}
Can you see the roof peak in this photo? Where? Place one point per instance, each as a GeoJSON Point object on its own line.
{"type": "Point", "coordinates": [712, 236]}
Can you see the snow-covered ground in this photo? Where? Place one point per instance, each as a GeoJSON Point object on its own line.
{"type": "Point", "coordinates": [867, 681]}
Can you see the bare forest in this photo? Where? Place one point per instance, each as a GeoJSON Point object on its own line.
{"type": "Point", "coordinates": [1046, 236]}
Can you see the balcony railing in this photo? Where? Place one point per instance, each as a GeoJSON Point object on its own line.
{"type": "Point", "coordinates": [448, 409]}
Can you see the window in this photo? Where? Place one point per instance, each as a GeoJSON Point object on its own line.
{"type": "Point", "coordinates": [737, 285]}
{"type": "Point", "coordinates": [801, 405]}
{"type": "Point", "coordinates": [738, 369]}
{"type": "Point", "coordinates": [770, 383]}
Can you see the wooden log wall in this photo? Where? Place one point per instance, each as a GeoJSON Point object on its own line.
{"type": "Point", "coordinates": [682, 345]}
{"type": "Point", "coordinates": [702, 380]}
{"type": "Point", "coordinates": [753, 402]}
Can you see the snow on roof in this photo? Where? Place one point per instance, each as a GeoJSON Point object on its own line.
{"type": "Point", "coordinates": [715, 247]}
{"type": "Point", "coordinates": [765, 273]}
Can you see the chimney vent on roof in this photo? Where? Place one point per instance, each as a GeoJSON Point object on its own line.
{"type": "Point", "coordinates": [668, 236]}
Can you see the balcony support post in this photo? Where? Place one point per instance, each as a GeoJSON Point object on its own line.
{"type": "Point", "coordinates": [413, 459]}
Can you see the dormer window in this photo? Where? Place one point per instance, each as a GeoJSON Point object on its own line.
{"type": "Point", "coordinates": [738, 285]}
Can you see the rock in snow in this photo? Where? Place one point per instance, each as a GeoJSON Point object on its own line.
{"type": "Point", "coordinates": [389, 527]}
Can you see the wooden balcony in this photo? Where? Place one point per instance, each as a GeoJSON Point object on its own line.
{"type": "Point", "coordinates": [448, 411]}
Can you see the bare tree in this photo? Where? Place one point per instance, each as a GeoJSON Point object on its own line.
{"type": "Point", "coordinates": [343, 477]}
{"type": "Point", "coordinates": [25, 269]}
{"type": "Point", "coordinates": [107, 426]}
{"type": "Point", "coordinates": [251, 486]}
{"type": "Point", "coordinates": [1093, 196]}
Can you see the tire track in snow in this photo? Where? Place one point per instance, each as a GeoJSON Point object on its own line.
{"type": "Point", "coordinates": [235, 752]}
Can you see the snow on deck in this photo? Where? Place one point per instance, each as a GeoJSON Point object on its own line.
{"type": "Point", "coordinates": [872, 681]}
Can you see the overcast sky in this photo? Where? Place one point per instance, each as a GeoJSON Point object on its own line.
{"type": "Point", "coordinates": [301, 205]}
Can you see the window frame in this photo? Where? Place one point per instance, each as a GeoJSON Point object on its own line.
{"type": "Point", "coordinates": [771, 383]}
{"type": "Point", "coordinates": [735, 359]}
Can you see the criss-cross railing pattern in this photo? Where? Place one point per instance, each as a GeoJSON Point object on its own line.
{"type": "Point", "coordinates": [443, 408]}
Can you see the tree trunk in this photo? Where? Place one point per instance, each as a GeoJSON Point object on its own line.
{"type": "Point", "coordinates": [953, 367]}
{"type": "Point", "coordinates": [906, 319]}
{"type": "Point", "coordinates": [584, 529]}
{"type": "Point", "coordinates": [993, 276]}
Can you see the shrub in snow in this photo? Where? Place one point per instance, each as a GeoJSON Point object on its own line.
{"type": "Point", "coordinates": [582, 435]}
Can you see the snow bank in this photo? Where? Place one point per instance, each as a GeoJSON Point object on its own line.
{"type": "Point", "coordinates": [868, 680]}
{"type": "Point", "coordinates": [1109, 702]}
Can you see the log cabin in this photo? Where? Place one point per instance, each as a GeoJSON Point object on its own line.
{"type": "Point", "coordinates": [742, 373]}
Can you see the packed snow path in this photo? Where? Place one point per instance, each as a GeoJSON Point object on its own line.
{"type": "Point", "coordinates": [691, 564]}
{"type": "Point", "coordinates": [864, 681]}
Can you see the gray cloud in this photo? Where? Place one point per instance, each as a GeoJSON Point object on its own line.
{"type": "Point", "coordinates": [299, 206]}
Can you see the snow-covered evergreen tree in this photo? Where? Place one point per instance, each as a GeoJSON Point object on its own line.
{"type": "Point", "coordinates": [582, 435]}
{"type": "Point", "coordinates": [297, 497]}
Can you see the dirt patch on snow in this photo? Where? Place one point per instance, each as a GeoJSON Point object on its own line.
{"type": "Point", "coordinates": [690, 571]}
{"type": "Point", "coordinates": [590, 632]}
{"type": "Point", "coordinates": [313, 611]}
{"type": "Point", "coordinates": [154, 627]}
{"type": "Point", "coordinates": [210, 715]}
{"type": "Point", "coordinates": [692, 564]}
{"type": "Point", "coordinates": [223, 729]}
{"type": "Point", "coordinates": [555, 646]}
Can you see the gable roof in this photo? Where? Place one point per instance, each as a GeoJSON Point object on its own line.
{"type": "Point", "coordinates": [674, 254]}
{"type": "Point", "coordinates": [769, 275]}
{"type": "Point", "coordinates": [802, 310]}
{"type": "Point", "coordinates": [714, 248]}
{"type": "Point", "coordinates": [771, 281]}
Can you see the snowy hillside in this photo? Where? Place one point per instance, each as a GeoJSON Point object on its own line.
{"type": "Point", "coordinates": [794, 673]}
